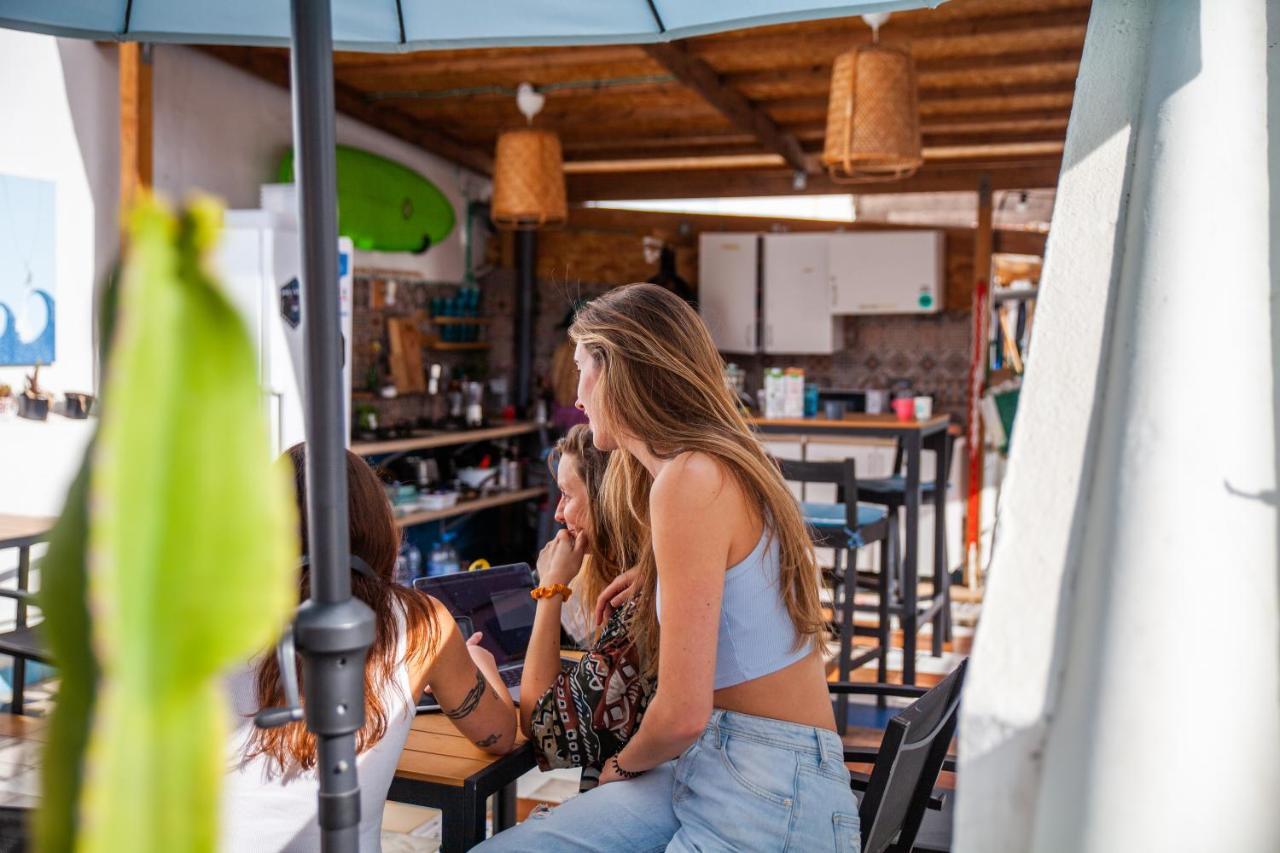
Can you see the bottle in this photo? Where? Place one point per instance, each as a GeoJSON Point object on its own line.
{"type": "Point", "coordinates": [793, 392]}
{"type": "Point", "coordinates": [774, 393]}
{"type": "Point", "coordinates": [444, 557]}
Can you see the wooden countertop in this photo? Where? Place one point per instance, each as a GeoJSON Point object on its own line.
{"type": "Point", "coordinates": [16, 530]}
{"type": "Point", "coordinates": [852, 422]}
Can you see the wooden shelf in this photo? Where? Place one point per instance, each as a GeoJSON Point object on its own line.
{"type": "Point", "coordinates": [465, 507]}
{"type": "Point", "coordinates": [443, 438]}
{"type": "Point", "coordinates": [461, 321]}
{"type": "Point", "coordinates": [445, 346]}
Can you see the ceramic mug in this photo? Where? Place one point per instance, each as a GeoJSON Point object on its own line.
{"type": "Point", "coordinates": [923, 408]}
{"type": "Point", "coordinates": [876, 400]}
{"type": "Point", "coordinates": [904, 408]}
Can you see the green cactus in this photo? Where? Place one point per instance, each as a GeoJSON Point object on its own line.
{"type": "Point", "coordinates": [173, 561]}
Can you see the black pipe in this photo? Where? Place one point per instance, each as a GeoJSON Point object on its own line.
{"type": "Point", "coordinates": [526, 308]}
{"type": "Point", "coordinates": [333, 630]}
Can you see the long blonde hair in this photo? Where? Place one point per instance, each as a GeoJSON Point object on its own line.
{"type": "Point", "coordinates": [662, 381]}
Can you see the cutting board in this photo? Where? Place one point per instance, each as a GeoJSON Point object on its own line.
{"type": "Point", "coordinates": [406, 355]}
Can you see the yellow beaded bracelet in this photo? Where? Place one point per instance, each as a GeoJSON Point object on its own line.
{"type": "Point", "coordinates": [548, 591]}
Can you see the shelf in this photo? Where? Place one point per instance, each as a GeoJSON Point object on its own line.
{"type": "Point", "coordinates": [444, 346]}
{"type": "Point", "coordinates": [442, 438]}
{"type": "Point", "coordinates": [465, 507]}
{"type": "Point", "coordinates": [461, 321]}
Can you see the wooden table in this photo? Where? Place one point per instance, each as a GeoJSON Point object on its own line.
{"type": "Point", "coordinates": [21, 532]}
{"type": "Point", "coordinates": [913, 437]}
{"type": "Point", "coordinates": [440, 768]}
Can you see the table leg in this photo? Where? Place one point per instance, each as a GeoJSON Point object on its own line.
{"type": "Point", "coordinates": [941, 574]}
{"type": "Point", "coordinates": [18, 695]}
{"type": "Point", "coordinates": [910, 614]}
{"type": "Point", "coordinates": [504, 808]}
{"type": "Point", "coordinates": [846, 633]}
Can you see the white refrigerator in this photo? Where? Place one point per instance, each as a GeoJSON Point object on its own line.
{"type": "Point", "coordinates": [259, 261]}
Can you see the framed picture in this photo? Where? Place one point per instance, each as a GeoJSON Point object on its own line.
{"type": "Point", "coordinates": [27, 271]}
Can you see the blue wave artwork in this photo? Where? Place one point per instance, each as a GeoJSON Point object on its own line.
{"type": "Point", "coordinates": [27, 271]}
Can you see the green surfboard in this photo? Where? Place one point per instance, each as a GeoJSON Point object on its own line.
{"type": "Point", "coordinates": [384, 206]}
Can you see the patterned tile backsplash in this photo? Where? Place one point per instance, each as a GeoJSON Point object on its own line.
{"type": "Point", "coordinates": [930, 352]}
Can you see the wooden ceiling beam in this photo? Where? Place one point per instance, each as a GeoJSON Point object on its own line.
{"type": "Point", "coordinates": [701, 78]}
{"type": "Point", "coordinates": [713, 184]}
{"type": "Point", "coordinates": [273, 67]}
{"type": "Point", "coordinates": [901, 27]}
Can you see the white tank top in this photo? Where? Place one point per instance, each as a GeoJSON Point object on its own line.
{"type": "Point", "coordinates": [266, 812]}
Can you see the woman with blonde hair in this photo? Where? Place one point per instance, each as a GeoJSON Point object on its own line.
{"type": "Point", "coordinates": [737, 749]}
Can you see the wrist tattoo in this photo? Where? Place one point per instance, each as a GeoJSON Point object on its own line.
{"type": "Point", "coordinates": [489, 741]}
{"type": "Point", "coordinates": [471, 701]}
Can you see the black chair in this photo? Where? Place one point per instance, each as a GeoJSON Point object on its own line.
{"type": "Point", "coordinates": [846, 526]}
{"type": "Point", "coordinates": [891, 493]}
{"type": "Point", "coordinates": [899, 793]}
{"type": "Point", "coordinates": [23, 643]}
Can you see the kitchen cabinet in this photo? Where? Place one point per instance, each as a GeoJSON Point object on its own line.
{"type": "Point", "coordinates": [728, 276]}
{"type": "Point", "coordinates": [795, 296]}
{"type": "Point", "coordinates": [886, 272]}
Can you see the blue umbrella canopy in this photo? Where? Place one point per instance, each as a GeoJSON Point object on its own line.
{"type": "Point", "coordinates": [404, 25]}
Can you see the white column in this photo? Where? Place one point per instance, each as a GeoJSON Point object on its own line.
{"type": "Point", "coordinates": [1125, 684]}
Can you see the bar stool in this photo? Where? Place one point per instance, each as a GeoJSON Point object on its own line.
{"type": "Point", "coordinates": [846, 526]}
{"type": "Point", "coordinates": [891, 493]}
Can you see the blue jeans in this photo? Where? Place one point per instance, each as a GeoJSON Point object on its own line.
{"type": "Point", "coordinates": [748, 783]}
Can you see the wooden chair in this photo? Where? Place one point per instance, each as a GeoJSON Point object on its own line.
{"type": "Point", "coordinates": [899, 791]}
{"type": "Point", "coordinates": [846, 526]}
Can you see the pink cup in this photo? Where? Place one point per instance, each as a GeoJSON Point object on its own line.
{"type": "Point", "coordinates": [905, 408]}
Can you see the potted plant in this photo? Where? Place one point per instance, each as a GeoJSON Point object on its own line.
{"type": "Point", "coordinates": [33, 404]}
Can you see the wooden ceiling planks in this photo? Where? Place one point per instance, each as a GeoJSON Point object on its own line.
{"type": "Point", "coordinates": [996, 80]}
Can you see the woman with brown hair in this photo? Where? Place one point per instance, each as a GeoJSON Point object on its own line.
{"type": "Point", "coordinates": [737, 749]}
{"type": "Point", "coordinates": [269, 796]}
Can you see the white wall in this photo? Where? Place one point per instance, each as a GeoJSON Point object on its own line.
{"type": "Point", "coordinates": [59, 103]}
{"type": "Point", "coordinates": [215, 128]}
{"type": "Point", "coordinates": [224, 131]}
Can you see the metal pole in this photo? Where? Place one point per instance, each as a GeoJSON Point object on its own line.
{"type": "Point", "coordinates": [526, 294]}
{"type": "Point", "coordinates": [333, 631]}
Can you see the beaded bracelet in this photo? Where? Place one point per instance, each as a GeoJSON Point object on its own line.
{"type": "Point", "coordinates": [553, 589]}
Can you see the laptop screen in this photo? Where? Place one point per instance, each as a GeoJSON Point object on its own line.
{"type": "Point", "coordinates": [495, 600]}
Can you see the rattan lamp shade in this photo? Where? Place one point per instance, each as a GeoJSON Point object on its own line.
{"type": "Point", "coordinates": [873, 121]}
{"type": "Point", "coordinates": [528, 180]}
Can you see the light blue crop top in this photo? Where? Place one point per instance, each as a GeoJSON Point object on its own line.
{"type": "Point", "coordinates": [756, 635]}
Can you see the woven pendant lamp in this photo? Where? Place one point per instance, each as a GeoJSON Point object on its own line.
{"type": "Point", "coordinates": [873, 120]}
{"type": "Point", "coordinates": [528, 173]}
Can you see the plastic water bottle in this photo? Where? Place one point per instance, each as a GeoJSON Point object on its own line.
{"type": "Point", "coordinates": [444, 558]}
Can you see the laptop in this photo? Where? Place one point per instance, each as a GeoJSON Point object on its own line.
{"type": "Point", "coordinates": [497, 603]}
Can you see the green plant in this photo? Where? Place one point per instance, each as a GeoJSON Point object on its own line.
{"type": "Point", "coordinates": [172, 561]}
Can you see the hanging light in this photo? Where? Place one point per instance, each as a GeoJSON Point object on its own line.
{"type": "Point", "coordinates": [528, 172]}
{"type": "Point", "coordinates": [873, 121]}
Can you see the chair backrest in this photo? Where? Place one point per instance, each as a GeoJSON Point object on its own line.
{"type": "Point", "coordinates": [907, 766]}
{"type": "Point", "coordinates": [842, 472]}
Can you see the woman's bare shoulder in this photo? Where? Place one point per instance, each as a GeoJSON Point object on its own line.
{"type": "Point", "coordinates": [692, 480]}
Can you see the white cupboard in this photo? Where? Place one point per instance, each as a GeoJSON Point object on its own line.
{"type": "Point", "coordinates": [886, 272]}
{"type": "Point", "coordinates": [797, 313]}
{"type": "Point", "coordinates": [728, 273]}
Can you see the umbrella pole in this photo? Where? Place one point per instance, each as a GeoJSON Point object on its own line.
{"type": "Point", "coordinates": [333, 630]}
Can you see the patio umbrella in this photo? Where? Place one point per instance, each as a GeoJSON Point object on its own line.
{"type": "Point", "coordinates": [332, 626]}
